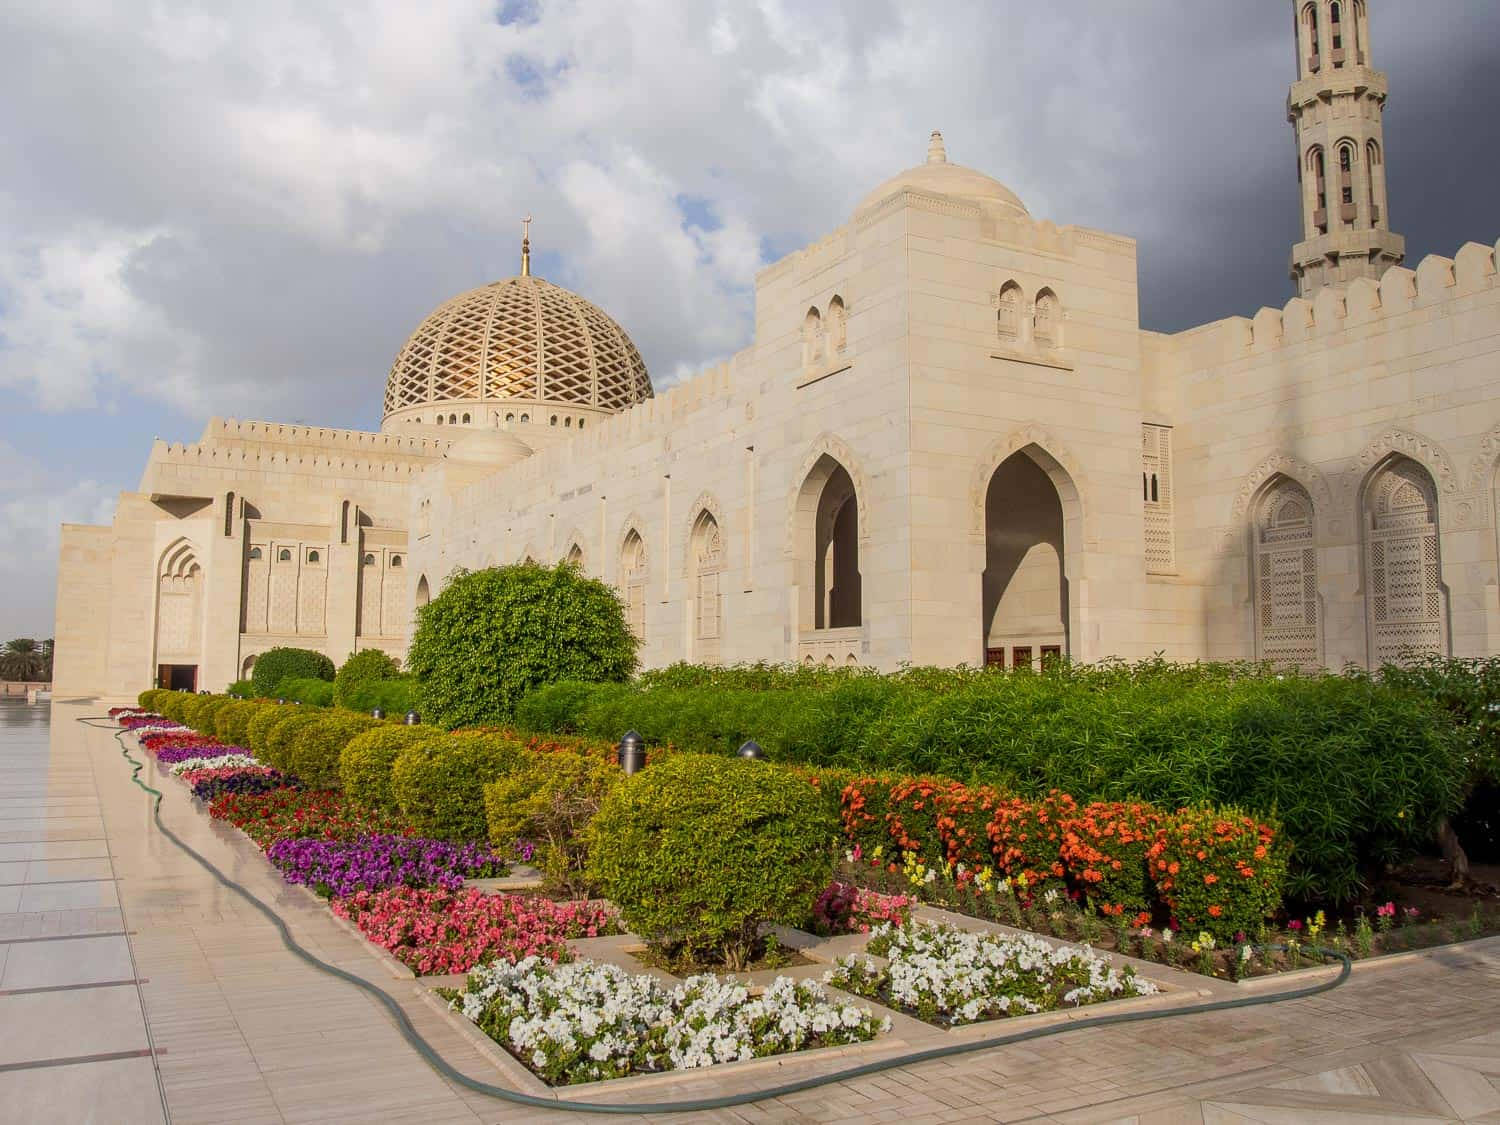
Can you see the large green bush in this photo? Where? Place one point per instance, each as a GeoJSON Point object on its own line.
{"type": "Point", "coordinates": [367, 761]}
{"type": "Point", "coordinates": [549, 800]}
{"type": "Point", "coordinates": [277, 664]}
{"type": "Point", "coordinates": [279, 738]}
{"type": "Point", "coordinates": [700, 852]}
{"type": "Point", "coordinates": [306, 690]}
{"type": "Point", "coordinates": [243, 688]}
{"type": "Point", "coordinates": [439, 784]}
{"type": "Point", "coordinates": [259, 728]}
{"type": "Point", "coordinates": [394, 697]}
{"type": "Point", "coordinates": [366, 666]}
{"type": "Point", "coordinates": [150, 699]}
{"type": "Point", "coordinates": [202, 713]}
{"type": "Point", "coordinates": [231, 721]}
{"type": "Point", "coordinates": [317, 746]}
{"type": "Point", "coordinates": [493, 635]}
{"type": "Point", "coordinates": [174, 704]}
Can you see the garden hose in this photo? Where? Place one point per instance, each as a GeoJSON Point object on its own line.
{"type": "Point", "coordinates": [437, 1062]}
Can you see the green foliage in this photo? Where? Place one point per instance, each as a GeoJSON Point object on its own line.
{"type": "Point", "coordinates": [759, 676]}
{"type": "Point", "coordinates": [366, 763]}
{"type": "Point", "coordinates": [394, 697]}
{"type": "Point", "coordinates": [231, 720]}
{"type": "Point", "coordinates": [258, 729]}
{"type": "Point", "coordinates": [174, 704]}
{"type": "Point", "coordinates": [555, 707]}
{"type": "Point", "coordinates": [277, 664]}
{"type": "Point", "coordinates": [699, 852]}
{"type": "Point", "coordinates": [439, 784]}
{"type": "Point", "coordinates": [493, 635]}
{"type": "Point", "coordinates": [244, 688]}
{"type": "Point", "coordinates": [317, 746]}
{"type": "Point", "coordinates": [279, 737]}
{"type": "Point", "coordinates": [201, 714]}
{"type": "Point", "coordinates": [549, 800]}
{"type": "Point", "coordinates": [150, 699]}
{"type": "Point", "coordinates": [366, 666]}
{"type": "Point", "coordinates": [310, 692]}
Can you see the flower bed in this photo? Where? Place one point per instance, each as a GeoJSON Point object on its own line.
{"type": "Point", "coordinates": [344, 867]}
{"type": "Point", "coordinates": [216, 781]}
{"type": "Point", "coordinates": [218, 761]}
{"type": "Point", "coordinates": [847, 909]}
{"type": "Point", "coordinates": [583, 1021]}
{"type": "Point", "coordinates": [948, 976]}
{"type": "Point", "coordinates": [302, 814]}
{"type": "Point", "coordinates": [445, 931]}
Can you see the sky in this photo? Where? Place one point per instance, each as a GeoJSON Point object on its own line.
{"type": "Point", "coordinates": [244, 211]}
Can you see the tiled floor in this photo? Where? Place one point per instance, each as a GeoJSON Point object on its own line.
{"type": "Point", "coordinates": [247, 1033]}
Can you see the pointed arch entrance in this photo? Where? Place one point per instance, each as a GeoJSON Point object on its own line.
{"type": "Point", "coordinates": [179, 617]}
{"type": "Point", "coordinates": [1406, 601]}
{"type": "Point", "coordinates": [1026, 590]}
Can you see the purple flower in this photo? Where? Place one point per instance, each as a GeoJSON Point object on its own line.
{"type": "Point", "coordinates": [171, 754]}
{"type": "Point", "coordinates": [344, 867]}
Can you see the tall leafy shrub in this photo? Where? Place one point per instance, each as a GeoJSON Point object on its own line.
{"type": "Point", "coordinates": [277, 664]}
{"type": "Point", "coordinates": [365, 764]}
{"type": "Point", "coordinates": [316, 747]}
{"type": "Point", "coordinates": [279, 738]}
{"type": "Point", "coordinates": [366, 666]}
{"type": "Point", "coordinates": [493, 635]}
{"type": "Point", "coordinates": [439, 784]}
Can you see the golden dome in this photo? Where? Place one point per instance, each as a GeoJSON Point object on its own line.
{"type": "Point", "coordinates": [938, 177]}
{"type": "Point", "coordinates": [521, 339]}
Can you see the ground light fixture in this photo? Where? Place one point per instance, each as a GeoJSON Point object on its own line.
{"type": "Point", "coordinates": [412, 718]}
{"type": "Point", "coordinates": [377, 713]}
{"type": "Point", "coordinates": [751, 751]}
{"type": "Point", "coordinates": [632, 754]}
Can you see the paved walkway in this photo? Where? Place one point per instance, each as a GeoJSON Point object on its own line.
{"type": "Point", "coordinates": [244, 1032]}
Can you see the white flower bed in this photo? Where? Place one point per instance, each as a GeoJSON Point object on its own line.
{"type": "Point", "coordinates": [950, 976]}
{"type": "Point", "coordinates": [584, 1021]}
{"type": "Point", "coordinates": [222, 762]}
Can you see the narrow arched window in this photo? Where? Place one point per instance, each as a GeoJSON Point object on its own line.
{"type": "Point", "coordinates": [1336, 30]}
{"type": "Point", "coordinates": [1155, 492]}
{"type": "Point", "coordinates": [553, 422]}
{"type": "Point", "coordinates": [255, 555]}
{"type": "Point", "coordinates": [1346, 177]}
{"type": "Point", "coordinates": [525, 417]}
{"type": "Point", "coordinates": [313, 557]}
{"type": "Point", "coordinates": [1047, 320]}
{"type": "Point", "coordinates": [1008, 314]}
{"type": "Point", "coordinates": [567, 423]}
{"type": "Point", "coordinates": [1310, 22]}
{"type": "Point", "coordinates": [511, 417]}
{"type": "Point", "coordinates": [838, 326]}
{"type": "Point", "coordinates": [228, 513]}
{"type": "Point", "coordinates": [466, 419]}
{"type": "Point", "coordinates": [1320, 189]}
{"type": "Point", "coordinates": [368, 560]}
{"type": "Point", "coordinates": [344, 522]}
{"type": "Point", "coordinates": [395, 561]}
{"type": "Point", "coordinates": [580, 423]}
{"type": "Point", "coordinates": [1372, 162]}
{"type": "Point", "coordinates": [1145, 488]}
{"type": "Point", "coordinates": [440, 419]}
{"type": "Point", "coordinates": [812, 338]}
{"type": "Point", "coordinates": [284, 555]}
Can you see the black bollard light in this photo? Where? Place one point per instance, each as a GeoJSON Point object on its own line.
{"type": "Point", "coordinates": [632, 755]}
{"type": "Point", "coordinates": [377, 713]}
{"type": "Point", "coordinates": [280, 700]}
{"type": "Point", "coordinates": [412, 718]}
{"type": "Point", "coordinates": [752, 752]}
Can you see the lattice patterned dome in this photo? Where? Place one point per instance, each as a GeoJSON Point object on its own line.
{"type": "Point", "coordinates": [522, 339]}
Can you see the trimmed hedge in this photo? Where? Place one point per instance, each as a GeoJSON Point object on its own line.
{"type": "Point", "coordinates": [366, 764]}
{"type": "Point", "coordinates": [439, 784]}
{"type": "Point", "coordinates": [549, 800]}
{"type": "Point", "coordinates": [277, 664]}
{"type": "Point", "coordinates": [316, 747]}
{"type": "Point", "coordinates": [394, 697]}
{"type": "Point", "coordinates": [245, 688]}
{"type": "Point", "coordinates": [258, 729]}
{"type": "Point", "coordinates": [150, 699]}
{"type": "Point", "coordinates": [366, 666]}
{"type": "Point", "coordinates": [174, 704]}
{"type": "Point", "coordinates": [280, 735]}
{"type": "Point", "coordinates": [307, 691]}
{"type": "Point", "coordinates": [494, 635]}
{"type": "Point", "coordinates": [231, 724]}
{"type": "Point", "coordinates": [700, 852]}
{"type": "Point", "coordinates": [201, 714]}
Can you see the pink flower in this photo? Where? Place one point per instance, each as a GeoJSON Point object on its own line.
{"type": "Point", "coordinates": [1386, 911]}
{"type": "Point", "coordinates": [1294, 925]}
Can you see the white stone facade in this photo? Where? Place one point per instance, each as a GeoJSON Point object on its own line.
{"type": "Point", "coordinates": [950, 441]}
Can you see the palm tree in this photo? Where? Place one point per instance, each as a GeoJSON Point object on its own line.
{"type": "Point", "coordinates": [23, 659]}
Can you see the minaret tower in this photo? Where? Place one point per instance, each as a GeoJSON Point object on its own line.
{"type": "Point", "coordinates": [1335, 108]}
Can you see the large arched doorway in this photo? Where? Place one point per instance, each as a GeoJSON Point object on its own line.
{"type": "Point", "coordinates": [706, 556]}
{"type": "Point", "coordinates": [1284, 575]}
{"type": "Point", "coordinates": [826, 548]}
{"type": "Point", "coordinates": [179, 618]}
{"type": "Point", "coordinates": [1025, 584]}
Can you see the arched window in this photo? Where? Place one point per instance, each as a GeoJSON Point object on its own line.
{"type": "Point", "coordinates": [1047, 322]}
{"type": "Point", "coordinates": [553, 422]}
{"type": "Point", "coordinates": [395, 561]}
{"type": "Point", "coordinates": [633, 582]}
{"type": "Point", "coordinates": [1008, 314]}
{"type": "Point", "coordinates": [1357, 31]}
{"type": "Point", "coordinates": [838, 326]}
{"type": "Point", "coordinates": [511, 417]}
{"type": "Point", "coordinates": [255, 554]}
{"type": "Point", "coordinates": [368, 560]}
{"type": "Point", "coordinates": [344, 522]}
{"type": "Point", "coordinates": [1404, 596]}
{"type": "Point", "coordinates": [440, 419]}
{"type": "Point", "coordinates": [525, 417]}
{"type": "Point", "coordinates": [424, 594]}
{"type": "Point", "coordinates": [1315, 166]}
{"type": "Point", "coordinates": [313, 557]}
{"type": "Point", "coordinates": [1314, 48]}
{"type": "Point", "coordinates": [284, 555]}
{"type": "Point", "coordinates": [1336, 30]}
{"type": "Point", "coordinates": [1372, 162]}
{"type": "Point", "coordinates": [1284, 574]}
{"type": "Point", "coordinates": [574, 556]}
{"type": "Point", "coordinates": [466, 419]}
{"type": "Point", "coordinates": [580, 423]}
{"type": "Point", "coordinates": [812, 338]}
{"type": "Point", "coordinates": [567, 423]}
{"type": "Point", "coordinates": [1155, 491]}
{"type": "Point", "coordinates": [228, 514]}
{"type": "Point", "coordinates": [708, 568]}
{"type": "Point", "coordinates": [1346, 179]}
{"type": "Point", "coordinates": [453, 419]}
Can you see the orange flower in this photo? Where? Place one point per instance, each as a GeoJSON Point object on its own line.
{"type": "Point", "coordinates": [1210, 879]}
{"type": "Point", "coordinates": [1215, 910]}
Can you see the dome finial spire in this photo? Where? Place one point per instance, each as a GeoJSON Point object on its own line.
{"type": "Point", "coordinates": [526, 246]}
{"type": "Point", "coordinates": [936, 153]}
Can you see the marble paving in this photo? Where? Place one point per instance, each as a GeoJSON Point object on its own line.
{"type": "Point", "coordinates": [194, 1011]}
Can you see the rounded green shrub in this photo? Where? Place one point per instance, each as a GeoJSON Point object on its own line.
{"type": "Point", "coordinates": [368, 759]}
{"type": "Point", "coordinates": [439, 784]}
{"type": "Point", "coordinates": [244, 688]}
{"type": "Point", "coordinates": [278, 750]}
{"type": "Point", "coordinates": [258, 729]}
{"type": "Point", "coordinates": [316, 747]}
{"type": "Point", "coordinates": [700, 852]}
{"type": "Point", "coordinates": [174, 704]}
{"type": "Point", "coordinates": [231, 723]}
{"type": "Point", "coordinates": [203, 712]}
{"type": "Point", "coordinates": [277, 664]}
{"type": "Point", "coordinates": [549, 800]}
{"type": "Point", "coordinates": [150, 699]}
{"type": "Point", "coordinates": [555, 707]}
{"type": "Point", "coordinates": [366, 666]}
{"type": "Point", "coordinates": [306, 690]}
{"type": "Point", "coordinates": [493, 635]}
{"type": "Point", "coordinates": [394, 697]}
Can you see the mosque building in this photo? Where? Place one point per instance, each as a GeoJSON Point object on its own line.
{"type": "Point", "coordinates": [949, 441]}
